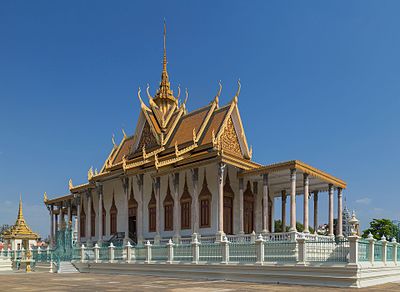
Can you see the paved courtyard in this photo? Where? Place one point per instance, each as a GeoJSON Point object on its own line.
{"type": "Point", "coordinates": [97, 282]}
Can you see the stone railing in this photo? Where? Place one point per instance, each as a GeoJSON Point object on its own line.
{"type": "Point", "coordinates": [298, 250]}
{"type": "Point", "coordinates": [378, 251]}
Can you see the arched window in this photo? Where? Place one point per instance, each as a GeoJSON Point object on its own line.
{"type": "Point", "coordinates": [228, 205]}
{"type": "Point", "coordinates": [113, 217]}
{"type": "Point", "coordinates": [168, 210]}
{"type": "Point", "coordinates": [248, 209]}
{"type": "Point", "coordinates": [82, 222]}
{"type": "Point", "coordinates": [152, 207]}
{"type": "Point", "coordinates": [92, 220]}
{"type": "Point", "coordinates": [186, 207]}
{"type": "Point", "coordinates": [205, 204]}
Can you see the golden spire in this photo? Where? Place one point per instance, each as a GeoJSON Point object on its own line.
{"type": "Point", "coordinates": [165, 73]}
{"type": "Point", "coordinates": [20, 230]}
{"type": "Point", "coordinates": [164, 94]}
{"type": "Point", "coordinates": [20, 216]}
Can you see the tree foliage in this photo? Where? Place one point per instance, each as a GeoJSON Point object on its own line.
{"type": "Point", "coordinates": [299, 227]}
{"type": "Point", "coordinates": [380, 227]}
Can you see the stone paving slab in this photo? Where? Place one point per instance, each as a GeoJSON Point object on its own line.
{"type": "Point", "coordinates": [99, 282]}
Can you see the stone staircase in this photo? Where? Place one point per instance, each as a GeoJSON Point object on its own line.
{"type": "Point", "coordinates": [67, 267]}
{"type": "Point", "coordinates": [5, 265]}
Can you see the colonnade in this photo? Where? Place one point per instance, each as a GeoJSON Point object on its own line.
{"type": "Point", "coordinates": [266, 217]}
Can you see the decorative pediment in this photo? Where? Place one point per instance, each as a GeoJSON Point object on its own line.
{"type": "Point", "coordinates": [168, 198]}
{"type": "Point", "coordinates": [229, 139]}
{"type": "Point", "coordinates": [186, 197]}
{"type": "Point", "coordinates": [147, 139]}
{"type": "Point", "coordinates": [205, 191]}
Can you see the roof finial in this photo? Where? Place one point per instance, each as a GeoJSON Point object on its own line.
{"type": "Point", "coordinates": [20, 214]}
{"type": "Point", "coordinates": [165, 48]}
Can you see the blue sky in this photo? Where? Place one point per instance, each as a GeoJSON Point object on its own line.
{"type": "Point", "coordinates": [320, 83]}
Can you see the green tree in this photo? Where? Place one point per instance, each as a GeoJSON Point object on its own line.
{"type": "Point", "coordinates": [299, 227]}
{"type": "Point", "coordinates": [380, 227]}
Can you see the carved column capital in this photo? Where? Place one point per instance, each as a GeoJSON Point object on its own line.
{"type": "Point", "coordinates": [221, 170]}
{"type": "Point", "coordinates": [340, 192]}
{"type": "Point", "coordinates": [241, 183]}
{"type": "Point", "coordinates": [293, 174]}
{"type": "Point", "coordinates": [306, 179]}
{"type": "Point", "coordinates": [125, 183]}
{"type": "Point", "coordinates": [139, 181]}
{"type": "Point", "coordinates": [265, 179]}
{"type": "Point", "coordinates": [99, 189]}
{"type": "Point", "coordinates": [195, 174]}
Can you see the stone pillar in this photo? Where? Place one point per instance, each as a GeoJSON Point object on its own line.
{"type": "Point", "coordinates": [301, 246]}
{"type": "Point", "coordinates": [305, 209]}
{"type": "Point", "coordinates": [125, 185]}
{"type": "Point", "coordinates": [284, 197]}
{"type": "Point", "coordinates": [221, 170]}
{"type": "Point", "coordinates": [88, 218]}
{"type": "Point", "coordinates": [139, 218]}
{"type": "Point", "coordinates": [195, 249]}
{"type": "Point", "coordinates": [61, 221]}
{"type": "Point", "coordinates": [170, 252]}
{"type": "Point", "coordinates": [241, 207]}
{"type": "Point", "coordinates": [330, 221]}
{"type": "Point", "coordinates": [55, 226]}
{"type": "Point", "coordinates": [265, 204]}
{"type": "Point", "coordinates": [315, 211]}
{"type": "Point", "coordinates": [100, 214]}
{"type": "Point", "coordinates": [225, 250]}
{"type": "Point", "coordinates": [78, 216]}
{"type": "Point", "coordinates": [158, 209]}
{"type": "Point", "coordinates": [177, 217]}
{"type": "Point", "coordinates": [339, 232]}
{"type": "Point", "coordinates": [293, 200]}
{"type": "Point", "coordinates": [195, 205]}
{"type": "Point", "coordinates": [51, 225]}
{"type": "Point", "coordinates": [260, 249]}
{"type": "Point", "coordinates": [69, 223]}
{"type": "Point", "coordinates": [353, 253]}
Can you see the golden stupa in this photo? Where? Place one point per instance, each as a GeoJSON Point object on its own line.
{"type": "Point", "coordinates": [20, 230]}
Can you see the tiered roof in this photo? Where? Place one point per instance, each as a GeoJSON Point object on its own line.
{"type": "Point", "coordinates": [168, 136]}
{"type": "Point", "coordinates": [20, 230]}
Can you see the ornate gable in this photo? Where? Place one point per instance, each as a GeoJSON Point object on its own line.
{"type": "Point", "coordinates": [229, 139]}
{"type": "Point", "coordinates": [147, 139]}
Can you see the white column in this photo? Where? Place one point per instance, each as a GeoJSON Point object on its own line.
{"type": "Point", "coordinates": [293, 200]}
{"type": "Point", "coordinates": [100, 214]}
{"type": "Point", "coordinates": [315, 211]}
{"type": "Point", "coordinates": [78, 215]}
{"type": "Point", "coordinates": [283, 211]}
{"type": "Point", "coordinates": [139, 218]}
{"type": "Point", "coordinates": [158, 209]}
{"type": "Point", "coordinates": [69, 224]}
{"type": "Point", "coordinates": [125, 185]}
{"type": "Point", "coordinates": [241, 208]}
{"type": "Point", "coordinates": [221, 168]}
{"type": "Point", "coordinates": [195, 205]}
{"type": "Point", "coordinates": [89, 217]}
{"type": "Point", "coordinates": [305, 209]}
{"type": "Point", "coordinates": [61, 218]}
{"type": "Point", "coordinates": [331, 210]}
{"type": "Point", "coordinates": [339, 232]}
{"type": "Point", "coordinates": [177, 217]}
{"type": "Point", "coordinates": [51, 225]}
{"type": "Point", "coordinates": [265, 204]}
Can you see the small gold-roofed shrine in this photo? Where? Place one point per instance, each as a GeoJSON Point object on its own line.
{"type": "Point", "coordinates": [20, 234]}
{"type": "Point", "coordinates": [169, 157]}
